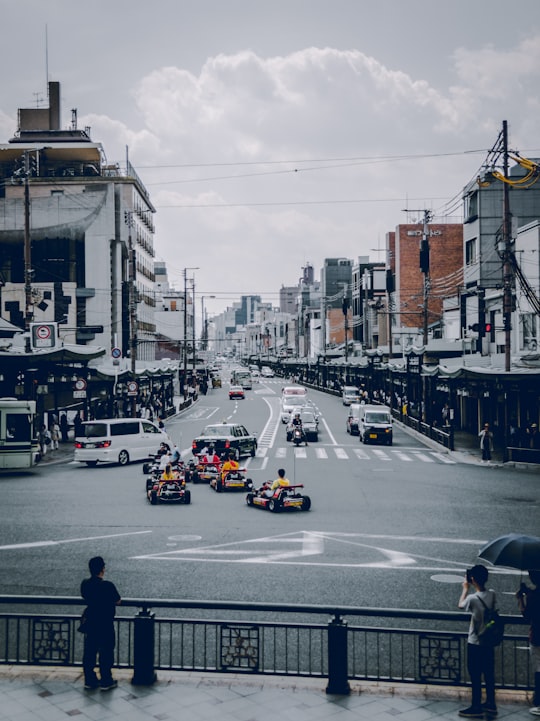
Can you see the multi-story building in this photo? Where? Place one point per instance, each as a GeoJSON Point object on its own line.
{"type": "Point", "coordinates": [77, 236]}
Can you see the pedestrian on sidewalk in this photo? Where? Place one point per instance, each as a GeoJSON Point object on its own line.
{"type": "Point", "coordinates": [529, 605]}
{"type": "Point", "coordinates": [64, 428]}
{"type": "Point", "coordinates": [480, 658]}
{"type": "Point", "coordinates": [99, 637]}
{"type": "Point", "coordinates": [55, 435]}
{"type": "Point", "coordinates": [486, 443]}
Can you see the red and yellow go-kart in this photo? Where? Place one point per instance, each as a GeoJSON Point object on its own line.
{"type": "Point", "coordinates": [281, 499]}
{"type": "Point", "coordinates": [233, 481]}
{"type": "Point", "coordinates": [205, 472]}
{"type": "Point", "coordinates": [168, 492]}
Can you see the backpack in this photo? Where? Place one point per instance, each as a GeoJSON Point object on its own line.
{"type": "Point", "coordinates": [493, 631]}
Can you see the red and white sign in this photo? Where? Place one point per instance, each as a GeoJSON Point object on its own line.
{"type": "Point", "coordinates": [43, 335]}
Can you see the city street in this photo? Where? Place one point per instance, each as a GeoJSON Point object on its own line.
{"type": "Point", "coordinates": [389, 526]}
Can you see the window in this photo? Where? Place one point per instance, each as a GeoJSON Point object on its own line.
{"type": "Point", "coordinates": [470, 252]}
{"type": "Point", "coordinates": [149, 427]}
{"type": "Point", "coordinates": [18, 426]}
{"type": "Point", "coordinates": [126, 428]}
{"type": "Point", "coordinates": [471, 206]}
{"type": "Point", "coordinates": [528, 338]}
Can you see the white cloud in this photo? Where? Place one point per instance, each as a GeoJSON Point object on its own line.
{"type": "Point", "coordinates": [312, 104]}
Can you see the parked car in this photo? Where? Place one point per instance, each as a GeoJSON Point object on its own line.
{"type": "Point", "coordinates": [225, 437]}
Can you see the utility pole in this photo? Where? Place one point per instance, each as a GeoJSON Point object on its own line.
{"type": "Point", "coordinates": [508, 273]}
{"type": "Point", "coordinates": [28, 305]}
{"type": "Point", "coordinates": [424, 267]}
{"type": "Point", "coordinates": [132, 302]}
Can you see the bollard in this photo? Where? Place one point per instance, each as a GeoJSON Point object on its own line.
{"type": "Point", "coordinates": [143, 649]}
{"type": "Point", "coordinates": [338, 682]}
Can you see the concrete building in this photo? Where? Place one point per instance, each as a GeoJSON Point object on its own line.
{"type": "Point", "coordinates": [77, 237]}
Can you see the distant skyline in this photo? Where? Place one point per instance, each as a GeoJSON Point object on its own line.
{"type": "Point", "coordinates": [271, 135]}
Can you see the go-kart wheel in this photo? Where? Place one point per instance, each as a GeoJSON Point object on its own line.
{"type": "Point", "coordinates": [153, 498]}
{"type": "Point", "coordinates": [149, 484]}
{"type": "Point", "coordinates": [306, 503]}
{"type": "Point", "coordinates": [249, 483]}
{"type": "Point", "coordinates": [91, 464]}
{"type": "Point", "coordinates": [123, 458]}
{"type": "Point", "coordinates": [219, 486]}
{"type": "Point", "coordinates": [187, 497]}
{"type": "Point", "coordinates": [249, 499]}
{"type": "Point", "coordinates": [145, 468]}
{"type": "Point", "coordinates": [273, 505]}
{"type": "Point", "coordinates": [195, 477]}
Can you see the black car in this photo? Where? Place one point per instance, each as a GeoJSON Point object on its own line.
{"type": "Point", "coordinates": [223, 437]}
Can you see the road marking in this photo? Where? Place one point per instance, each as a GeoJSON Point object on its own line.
{"type": "Point", "coordinates": [361, 454]}
{"type": "Point", "coordinates": [423, 457]}
{"type": "Point", "coordinates": [39, 544]}
{"type": "Point", "coordinates": [341, 453]}
{"type": "Point", "coordinates": [292, 548]}
{"type": "Point", "coordinates": [402, 456]}
{"type": "Point", "coordinates": [321, 453]}
{"type": "Point", "coordinates": [300, 453]}
{"type": "Point", "coordinates": [443, 458]}
{"type": "Point", "coordinates": [281, 452]}
{"type": "Point", "coordinates": [268, 434]}
{"type": "Point", "coordinates": [381, 455]}
{"type": "Point", "coordinates": [261, 452]}
{"type": "Point", "coordinates": [334, 442]}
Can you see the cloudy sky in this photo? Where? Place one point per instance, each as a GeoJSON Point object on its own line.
{"type": "Point", "coordinates": [274, 133]}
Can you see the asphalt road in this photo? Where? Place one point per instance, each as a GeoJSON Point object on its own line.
{"type": "Point", "coordinates": [389, 527]}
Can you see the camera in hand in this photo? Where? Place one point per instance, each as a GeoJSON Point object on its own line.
{"type": "Point", "coordinates": [468, 575]}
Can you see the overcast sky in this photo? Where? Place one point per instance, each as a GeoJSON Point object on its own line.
{"type": "Point", "coordinates": [275, 133]}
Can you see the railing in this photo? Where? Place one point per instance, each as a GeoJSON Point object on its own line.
{"type": "Point", "coordinates": [523, 455]}
{"type": "Point", "coordinates": [260, 638]}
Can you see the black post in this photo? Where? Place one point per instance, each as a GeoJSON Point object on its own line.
{"type": "Point", "coordinates": [143, 649]}
{"type": "Point", "coordinates": [338, 682]}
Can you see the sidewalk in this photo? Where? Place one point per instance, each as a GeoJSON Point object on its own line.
{"type": "Point", "coordinates": [51, 694]}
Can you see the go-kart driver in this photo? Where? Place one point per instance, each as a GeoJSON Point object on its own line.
{"type": "Point", "coordinates": [280, 482]}
{"type": "Point", "coordinates": [230, 466]}
{"type": "Point", "coordinates": [168, 473]}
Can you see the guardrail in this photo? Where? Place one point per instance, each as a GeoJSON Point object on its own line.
{"type": "Point", "coordinates": [264, 638]}
{"type": "Point", "coordinates": [523, 455]}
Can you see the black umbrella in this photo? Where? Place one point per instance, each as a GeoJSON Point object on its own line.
{"type": "Point", "coordinates": [513, 550]}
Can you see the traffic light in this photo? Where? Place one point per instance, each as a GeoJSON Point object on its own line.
{"type": "Point", "coordinates": [345, 305]}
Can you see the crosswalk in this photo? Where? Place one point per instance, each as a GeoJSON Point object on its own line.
{"type": "Point", "coordinates": [339, 453]}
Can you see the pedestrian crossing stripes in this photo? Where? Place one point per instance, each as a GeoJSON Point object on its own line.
{"type": "Point", "coordinates": [386, 455]}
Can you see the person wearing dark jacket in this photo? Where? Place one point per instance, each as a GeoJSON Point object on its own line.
{"type": "Point", "coordinates": [99, 640]}
{"type": "Point", "coordinates": [529, 605]}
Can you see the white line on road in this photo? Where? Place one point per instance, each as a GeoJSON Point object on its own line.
{"type": "Point", "coordinates": [341, 453]}
{"type": "Point", "coordinates": [321, 453]}
{"type": "Point", "coordinates": [334, 442]}
{"type": "Point", "coordinates": [39, 544]}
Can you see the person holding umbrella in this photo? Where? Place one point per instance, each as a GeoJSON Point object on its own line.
{"type": "Point", "coordinates": [480, 658]}
{"type": "Point", "coordinates": [529, 604]}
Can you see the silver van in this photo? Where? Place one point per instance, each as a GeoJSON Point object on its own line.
{"type": "Point", "coordinates": [375, 424]}
{"type": "Point", "coordinates": [118, 440]}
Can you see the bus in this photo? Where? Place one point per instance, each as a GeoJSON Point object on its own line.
{"type": "Point", "coordinates": [18, 437]}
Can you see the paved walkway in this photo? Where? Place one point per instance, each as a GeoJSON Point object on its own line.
{"type": "Point", "coordinates": [29, 694]}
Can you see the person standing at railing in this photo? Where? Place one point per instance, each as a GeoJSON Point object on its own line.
{"type": "Point", "coordinates": [102, 598]}
{"type": "Point", "coordinates": [480, 658]}
{"type": "Point", "coordinates": [529, 605]}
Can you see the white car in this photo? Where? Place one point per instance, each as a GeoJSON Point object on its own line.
{"type": "Point", "coordinates": [267, 372]}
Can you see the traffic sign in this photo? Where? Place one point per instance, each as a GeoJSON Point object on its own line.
{"type": "Point", "coordinates": [80, 384]}
{"type": "Point", "coordinates": [132, 388]}
{"type": "Point", "coordinates": [43, 335]}
{"type": "Point", "coordinates": [116, 352]}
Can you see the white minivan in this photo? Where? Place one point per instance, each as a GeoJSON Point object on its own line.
{"type": "Point", "coordinates": [375, 424]}
{"type": "Point", "coordinates": [118, 440]}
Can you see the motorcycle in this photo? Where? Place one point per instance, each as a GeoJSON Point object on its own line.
{"type": "Point", "coordinates": [299, 436]}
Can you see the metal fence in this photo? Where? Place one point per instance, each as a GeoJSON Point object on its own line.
{"type": "Point", "coordinates": [427, 647]}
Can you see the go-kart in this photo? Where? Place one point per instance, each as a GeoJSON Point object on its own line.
{"type": "Point", "coordinates": [204, 472]}
{"type": "Point", "coordinates": [168, 492]}
{"type": "Point", "coordinates": [282, 498]}
{"type": "Point", "coordinates": [155, 472]}
{"type": "Point", "coordinates": [233, 481]}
